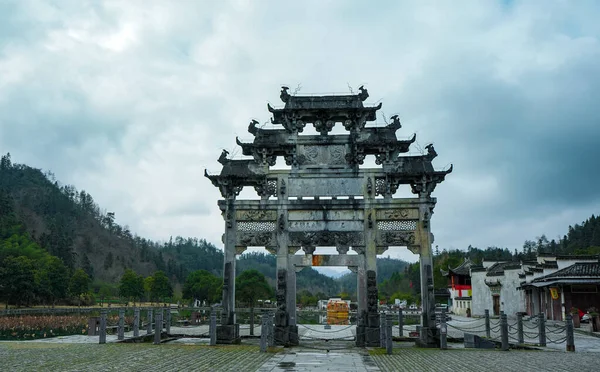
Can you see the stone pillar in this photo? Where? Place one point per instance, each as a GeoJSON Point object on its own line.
{"type": "Point", "coordinates": [429, 336]}
{"type": "Point", "coordinates": [361, 299]}
{"type": "Point", "coordinates": [228, 332]}
{"type": "Point", "coordinates": [291, 303]}
{"type": "Point", "coordinates": [286, 330]}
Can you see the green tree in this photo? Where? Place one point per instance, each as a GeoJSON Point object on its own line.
{"type": "Point", "coordinates": [131, 286]}
{"type": "Point", "coordinates": [251, 286]}
{"type": "Point", "coordinates": [160, 287]}
{"type": "Point", "coordinates": [52, 279]}
{"type": "Point", "coordinates": [203, 286]}
{"type": "Point", "coordinates": [79, 284]}
{"type": "Point", "coordinates": [17, 280]}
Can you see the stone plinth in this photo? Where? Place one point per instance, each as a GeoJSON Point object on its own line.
{"type": "Point", "coordinates": [228, 334]}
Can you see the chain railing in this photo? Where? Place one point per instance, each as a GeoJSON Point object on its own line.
{"type": "Point", "coordinates": [536, 331]}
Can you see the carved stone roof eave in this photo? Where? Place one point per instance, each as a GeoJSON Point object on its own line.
{"type": "Point", "coordinates": [337, 114]}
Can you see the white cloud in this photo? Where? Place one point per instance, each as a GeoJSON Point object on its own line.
{"type": "Point", "coordinates": [132, 100]}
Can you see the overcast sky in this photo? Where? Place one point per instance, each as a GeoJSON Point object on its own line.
{"type": "Point", "coordinates": [131, 100]}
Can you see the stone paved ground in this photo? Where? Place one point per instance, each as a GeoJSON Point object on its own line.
{"type": "Point", "coordinates": [30, 356]}
{"type": "Point", "coordinates": [313, 356]}
{"type": "Point", "coordinates": [414, 359]}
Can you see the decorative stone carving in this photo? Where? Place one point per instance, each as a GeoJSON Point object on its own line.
{"type": "Point", "coordinates": [386, 186]}
{"type": "Point", "coordinates": [403, 238]}
{"type": "Point", "coordinates": [285, 96]}
{"type": "Point", "coordinates": [282, 188]}
{"type": "Point", "coordinates": [342, 249]}
{"type": "Point", "coordinates": [431, 153]}
{"type": "Point", "coordinates": [266, 188]}
{"type": "Point", "coordinates": [311, 153]}
{"type": "Point", "coordinates": [308, 249]}
{"type": "Point", "coordinates": [223, 158]}
{"type": "Point", "coordinates": [349, 124]}
{"type": "Point", "coordinates": [394, 214]}
{"type": "Point", "coordinates": [326, 238]}
{"type": "Point", "coordinates": [281, 288]}
{"type": "Point", "coordinates": [256, 215]}
{"type": "Point", "coordinates": [372, 293]}
{"type": "Point", "coordinates": [364, 94]}
{"type": "Point", "coordinates": [369, 186]}
{"type": "Point", "coordinates": [337, 155]}
{"type": "Point", "coordinates": [281, 222]}
{"type": "Point", "coordinates": [255, 239]}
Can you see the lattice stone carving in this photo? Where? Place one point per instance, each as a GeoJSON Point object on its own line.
{"type": "Point", "coordinates": [268, 188]}
{"type": "Point", "coordinates": [380, 186]}
{"type": "Point", "coordinates": [256, 226]}
{"type": "Point", "coordinates": [406, 225]}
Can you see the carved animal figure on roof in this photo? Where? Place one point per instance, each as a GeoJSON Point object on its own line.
{"type": "Point", "coordinates": [252, 127]}
{"type": "Point", "coordinates": [364, 94]}
{"type": "Point", "coordinates": [395, 124]}
{"type": "Point", "coordinates": [431, 154]}
{"type": "Point", "coordinates": [284, 94]}
{"type": "Point", "coordinates": [223, 158]}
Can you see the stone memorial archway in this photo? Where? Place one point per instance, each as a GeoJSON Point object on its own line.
{"type": "Point", "coordinates": [327, 199]}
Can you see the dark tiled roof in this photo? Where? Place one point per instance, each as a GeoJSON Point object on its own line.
{"type": "Point", "coordinates": [477, 268]}
{"type": "Point", "coordinates": [463, 268]}
{"type": "Point", "coordinates": [578, 270]}
{"type": "Point", "coordinates": [577, 257]}
{"type": "Point", "coordinates": [497, 269]}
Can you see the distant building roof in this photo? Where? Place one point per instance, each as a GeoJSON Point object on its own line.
{"type": "Point", "coordinates": [497, 269]}
{"type": "Point", "coordinates": [579, 270]}
{"type": "Point", "coordinates": [462, 269]}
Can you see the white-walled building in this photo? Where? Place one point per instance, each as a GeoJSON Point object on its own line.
{"type": "Point", "coordinates": [495, 287]}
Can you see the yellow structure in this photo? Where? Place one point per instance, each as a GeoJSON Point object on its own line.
{"type": "Point", "coordinates": [337, 311]}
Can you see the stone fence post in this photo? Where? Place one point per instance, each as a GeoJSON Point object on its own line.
{"type": "Point", "coordinates": [520, 338]}
{"type": "Point", "coordinates": [103, 314]}
{"type": "Point", "coordinates": [136, 322]}
{"type": "Point", "coordinates": [487, 323]}
{"type": "Point", "coordinates": [504, 331]}
{"type": "Point", "coordinates": [570, 333]}
{"type": "Point", "coordinates": [168, 322]}
{"type": "Point", "coordinates": [157, 326]}
{"type": "Point", "coordinates": [443, 331]}
{"type": "Point", "coordinates": [149, 325]}
{"type": "Point", "coordinates": [400, 323]}
{"type": "Point", "coordinates": [121, 327]}
{"type": "Point", "coordinates": [264, 333]}
{"type": "Point", "coordinates": [213, 328]}
{"type": "Point", "coordinates": [542, 329]}
{"type": "Point", "coordinates": [389, 322]}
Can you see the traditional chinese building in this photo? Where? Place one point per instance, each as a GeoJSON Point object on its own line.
{"type": "Point", "coordinates": [556, 283]}
{"type": "Point", "coordinates": [327, 199]}
{"type": "Point", "coordinates": [494, 287]}
{"type": "Point", "coordinates": [459, 285]}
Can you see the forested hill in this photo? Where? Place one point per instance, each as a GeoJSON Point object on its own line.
{"type": "Point", "coordinates": [70, 225]}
